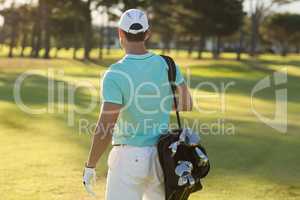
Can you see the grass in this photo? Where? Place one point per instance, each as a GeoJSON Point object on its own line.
{"type": "Point", "coordinates": [42, 156]}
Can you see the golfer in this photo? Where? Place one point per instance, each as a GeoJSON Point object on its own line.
{"type": "Point", "coordinates": [136, 103]}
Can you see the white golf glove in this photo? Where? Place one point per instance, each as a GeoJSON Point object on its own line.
{"type": "Point", "coordinates": [89, 179]}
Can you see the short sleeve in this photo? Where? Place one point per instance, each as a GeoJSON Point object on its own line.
{"type": "Point", "coordinates": [110, 91]}
{"type": "Point", "coordinates": [179, 78]}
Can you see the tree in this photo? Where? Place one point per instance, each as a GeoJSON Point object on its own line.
{"type": "Point", "coordinates": [41, 29]}
{"type": "Point", "coordinates": [87, 13]}
{"type": "Point", "coordinates": [11, 25]}
{"type": "Point", "coordinates": [212, 18]}
{"type": "Point", "coordinates": [296, 41]}
{"type": "Point", "coordinates": [36, 35]}
{"type": "Point", "coordinates": [192, 18]}
{"type": "Point", "coordinates": [46, 9]}
{"type": "Point", "coordinates": [67, 20]}
{"type": "Point", "coordinates": [258, 11]}
{"type": "Point", "coordinates": [86, 8]}
{"type": "Point", "coordinates": [225, 18]}
{"type": "Point", "coordinates": [164, 27]}
{"type": "Point", "coordinates": [283, 29]}
{"type": "Point", "coordinates": [25, 12]}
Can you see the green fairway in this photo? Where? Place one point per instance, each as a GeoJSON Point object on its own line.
{"type": "Point", "coordinates": [42, 156]}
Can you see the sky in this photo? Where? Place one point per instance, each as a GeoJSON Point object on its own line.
{"type": "Point", "coordinates": [100, 19]}
{"type": "Point", "coordinates": [293, 7]}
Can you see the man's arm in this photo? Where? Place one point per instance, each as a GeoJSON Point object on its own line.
{"type": "Point", "coordinates": [185, 102]}
{"type": "Point", "coordinates": [103, 133]}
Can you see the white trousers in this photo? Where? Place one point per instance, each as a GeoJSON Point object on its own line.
{"type": "Point", "coordinates": [134, 174]}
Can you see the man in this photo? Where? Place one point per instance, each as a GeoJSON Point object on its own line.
{"type": "Point", "coordinates": [136, 97]}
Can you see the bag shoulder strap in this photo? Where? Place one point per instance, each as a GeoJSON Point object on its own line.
{"type": "Point", "coordinates": [172, 78]}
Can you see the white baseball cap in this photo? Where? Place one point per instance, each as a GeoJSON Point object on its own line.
{"type": "Point", "coordinates": [134, 21]}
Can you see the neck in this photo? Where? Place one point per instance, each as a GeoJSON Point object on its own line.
{"type": "Point", "coordinates": [135, 48]}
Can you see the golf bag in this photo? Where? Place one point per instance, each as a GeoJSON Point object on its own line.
{"type": "Point", "coordinates": [184, 161]}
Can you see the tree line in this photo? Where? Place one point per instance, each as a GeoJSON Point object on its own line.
{"type": "Point", "coordinates": [179, 24]}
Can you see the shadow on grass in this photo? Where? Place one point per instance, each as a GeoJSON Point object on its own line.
{"type": "Point", "coordinates": [242, 85]}
{"type": "Point", "coordinates": [281, 63]}
{"type": "Point", "coordinates": [34, 93]}
{"type": "Point", "coordinates": [34, 90]}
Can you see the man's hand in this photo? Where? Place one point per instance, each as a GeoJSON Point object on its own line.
{"type": "Point", "coordinates": [89, 179]}
{"type": "Point", "coordinates": [185, 101]}
{"type": "Point", "coordinates": [101, 140]}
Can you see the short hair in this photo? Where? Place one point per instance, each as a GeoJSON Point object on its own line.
{"type": "Point", "coordinates": [139, 37]}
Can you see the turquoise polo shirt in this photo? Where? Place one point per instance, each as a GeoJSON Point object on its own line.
{"type": "Point", "coordinates": [140, 84]}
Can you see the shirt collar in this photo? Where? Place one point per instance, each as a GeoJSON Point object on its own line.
{"type": "Point", "coordinates": [138, 56]}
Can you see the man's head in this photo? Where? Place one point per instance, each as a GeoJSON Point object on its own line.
{"type": "Point", "coordinates": [133, 27]}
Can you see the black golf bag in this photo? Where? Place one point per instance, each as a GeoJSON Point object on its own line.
{"type": "Point", "coordinates": [184, 161]}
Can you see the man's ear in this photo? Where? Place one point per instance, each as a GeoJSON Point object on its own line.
{"type": "Point", "coordinates": [121, 37]}
{"type": "Point", "coordinates": [121, 33]}
{"type": "Point", "coordinates": [148, 35]}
